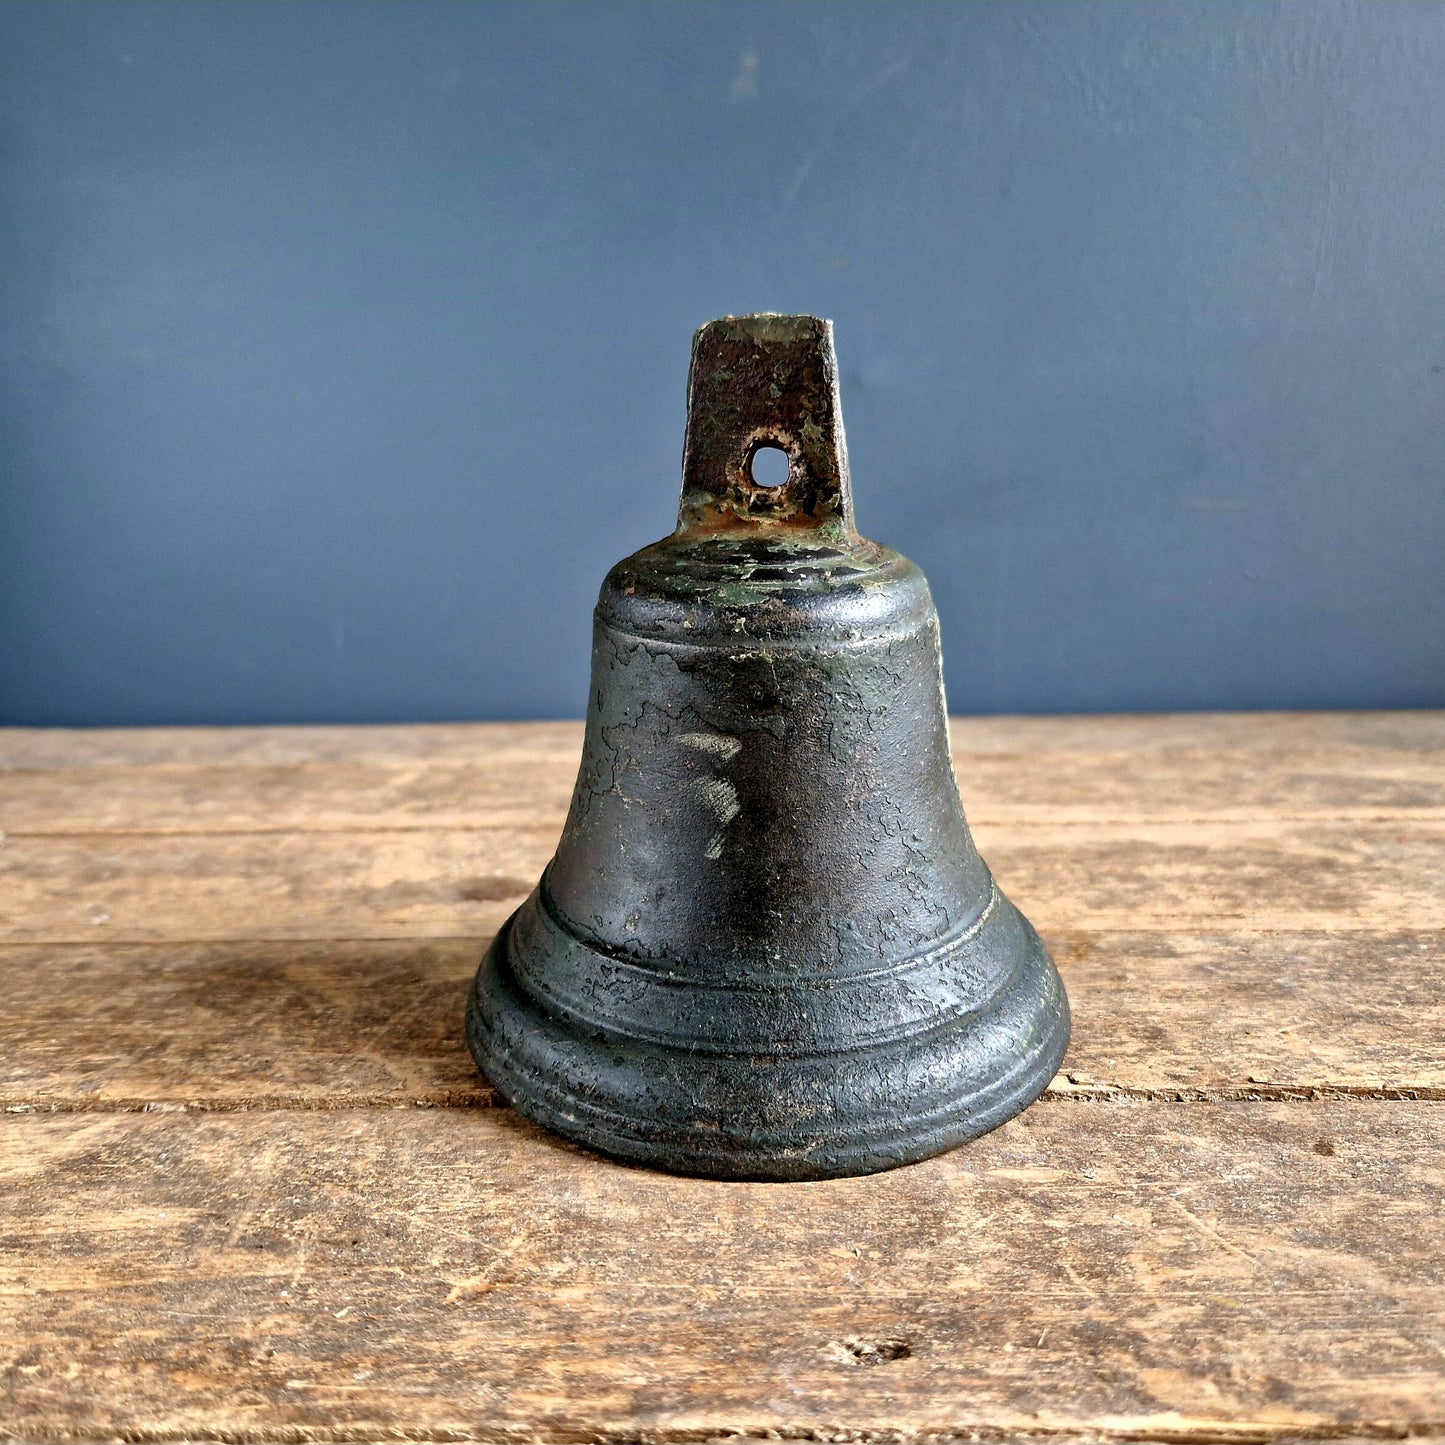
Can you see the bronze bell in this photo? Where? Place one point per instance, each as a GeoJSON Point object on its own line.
{"type": "Point", "coordinates": [767, 947]}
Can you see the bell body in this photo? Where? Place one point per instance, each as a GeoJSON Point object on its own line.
{"type": "Point", "coordinates": [767, 947]}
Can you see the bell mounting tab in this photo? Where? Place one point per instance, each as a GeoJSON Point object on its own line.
{"type": "Point", "coordinates": [758, 382]}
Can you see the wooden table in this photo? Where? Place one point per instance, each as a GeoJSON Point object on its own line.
{"type": "Point", "coordinates": [254, 1190]}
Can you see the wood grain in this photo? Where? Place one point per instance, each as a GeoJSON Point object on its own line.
{"type": "Point", "coordinates": [448, 884]}
{"type": "Point", "coordinates": [509, 791]}
{"type": "Point", "coordinates": [310, 779]}
{"type": "Point", "coordinates": [327, 1025]}
{"type": "Point", "coordinates": [69, 749]}
{"type": "Point", "coordinates": [1291, 876]}
{"type": "Point", "coordinates": [233, 964]}
{"type": "Point", "coordinates": [1263, 735]}
{"type": "Point", "coordinates": [1241, 1272]}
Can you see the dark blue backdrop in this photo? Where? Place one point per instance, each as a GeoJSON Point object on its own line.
{"type": "Point", "coordinates": [343, 345]}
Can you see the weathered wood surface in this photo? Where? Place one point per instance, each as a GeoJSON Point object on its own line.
{"type": "Point", "coordinates": [1263, 736]}
{"type": "Point", "coordinates": [292, 1025]}
{"type": "Point", "coordinates": [1296, 876]}
{"type": "Point", "coordinates": [1365, 767]}
{"type": "Point", "coordinates": [270, 931]}
{"type": "Point", "coordinates": [1209, 1271]}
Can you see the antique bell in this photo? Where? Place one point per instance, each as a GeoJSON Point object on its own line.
{"type": "Point", "coordinates": [767, 947]}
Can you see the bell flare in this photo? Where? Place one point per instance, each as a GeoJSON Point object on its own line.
{"type": "Point", "coordinates": [641, 1068]}
{"type": "Point", "coordinates": [766, 946]}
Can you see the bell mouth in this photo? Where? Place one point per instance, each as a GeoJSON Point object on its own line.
{"type": "Point", "coordinates": [845, 1107]}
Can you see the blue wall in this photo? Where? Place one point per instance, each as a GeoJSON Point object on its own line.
{"type": "Point", "coordinates": [342, 346]}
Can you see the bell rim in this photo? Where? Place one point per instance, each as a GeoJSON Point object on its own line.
{"type": "Point", "coordinates": [988, 1099]}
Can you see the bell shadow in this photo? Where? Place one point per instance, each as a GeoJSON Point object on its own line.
{"type": "Point", "coordinates": [237, 1025]}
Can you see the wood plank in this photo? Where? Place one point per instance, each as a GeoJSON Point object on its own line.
{"type": "Point", "coordinates": [401, 743]}
{"type": "Point", "coordinates": [254, 886]}
{"type": "Point", "coordinates": [1290, 876]}
{"type": "Point", "coordinates": [228, 1026]}
{"type": "Point", "coordinates": [1262, 733]}
{"type": "Point", "coordinates": [1211, 1272]}
{"type": "Point", "coordinates": [1221, 1015]}
{"type": "Point", "coordinates": [1420, 730]}
{"type": "Point", "coordinates": [1243, 907]}
{"type": "Point", "coordinates": [512, 788]}
{"type": "Point", "coordinates": [1363, 766]}
{"type": "Point", "coordinates": [507, 791]}
{"type": "Point", "coordinates": [1275, 876]}
{"type": "Point", "coordinates": [502, 792]}
{"type": "Point", "coordinates": [323, 1025]}
{"type": "Point", "coordinates": [1214, 786]}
